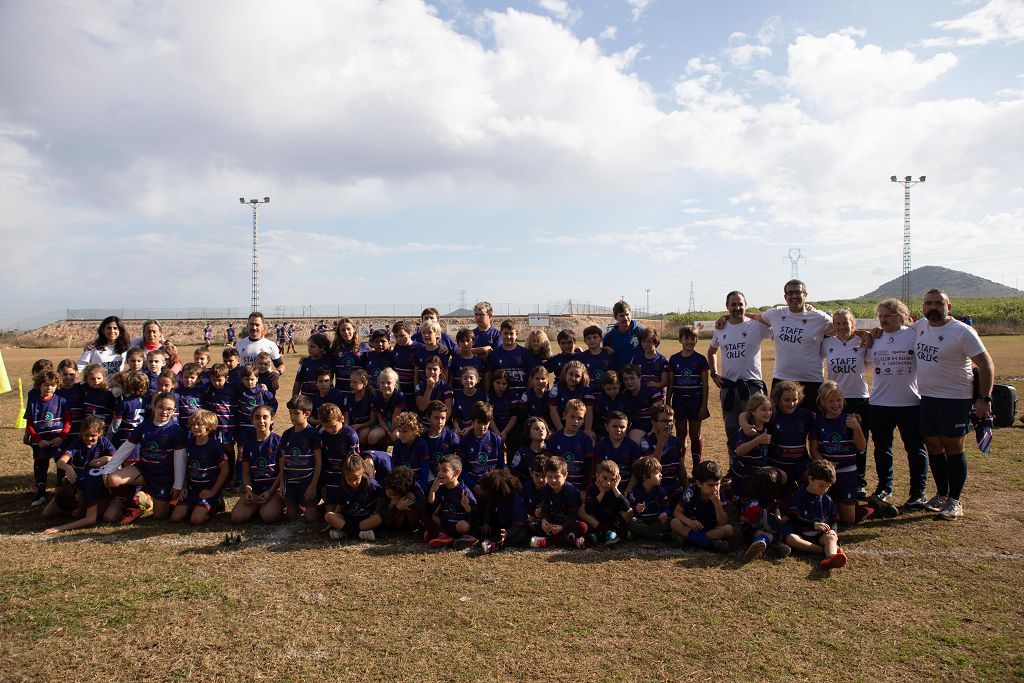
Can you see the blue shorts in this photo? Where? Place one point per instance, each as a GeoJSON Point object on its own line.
{"type": "Point", "coordinates": [90, 485]}
{"type": "Point", "coordinates": [295, 492]}
{"type": "Point", "coordinates": [794, 470]}
{"type": "Point", "coordinates": [214, 502]}
{"type": "Point", "coordinates": [845, 489]}
{"type": "Point", "coordinates": [944, 417]}
{"type": "Point", "coordinates": [686, 407]}
{"type": "Point", "coordinates": [157, 484]}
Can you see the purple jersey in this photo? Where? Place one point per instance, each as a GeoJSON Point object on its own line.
{"type": "Point", "coordinates": [623, 455]}
{"type": "Point", "coordinates": [76, 407]}
{"type": "Point", "coordinates": [245, 401]}
{"type": "Point", "coordinates": [558, 506]}
{"type": "Point", "coordinates": [358, 410]}
{"type": "Point", "coordinates": [687, 376]}
{"type": "Point", "coordinates": [522, 462]}
{"type": "Point", "coordinates": [536, 405]}
{"type": "Point", "coordinates": [47, 417]}
{"type": "Point", "coordinates": [578, 452]}
{"type": "Point", "coordinates": [82, 456]}
{"type": "Point", "coordinates": [835, 442]}
{"type": "Point", "coordinates": [99, 402]}
{"type": "Point", "coordinates": [415, 456]}
{"type": "Point", "coordinates": [445, 443]}
{"type": "Point", "coordinates": [608, 508]}
{"type": "Point", "coordinates": [695, 506]}
{"type": "Point", "coordinates": [263, 461]}
{"type": "Point", "coordinates": [190, 400]}
{"type": "Point", "coordinates": [562, 394]}
{"type": "Point", "coordinates": [504, 406]}
{"type": "Point", "coordinates": [403, 360]}
{"type": "Point", "coordinates": [221, 403]}
{"type": "Point", "coordinates": [597, 365]}
{"type": "Point", "coordinates": [298, 447]}
{"type": "Point", "coordinates": [332, 396]}
{"type": "Point", "coordinates": [361, 502]}
{"type": "Point", "coordinates": [306, 374]}
{"type": "Point", "coordinates": [442, 392]}
{"type": "Point", "coordinates": [335, 450]}
{"type": "Point", "coordinates": [638, 406]}
{"type": "Point", "coordinates": [655, 501]}
{"type": "Point", "coordinates": [457, 364]}
{"type": "Point", "coordinates": [130, 411]}
{"type": "Point", "coordinates": [489, 337]}
{"type": "Point", "coordinates": [517, 362]}
{"type": "Point", "coordinates": [203, 464]}
{"type": "Point", "coordinates": [789, 438]}
{"type": "Point", "coordinates": [805, 509]}
{"type": "Point", "coordinates": [344, 363]}
{"type": "Point", "coordinates": [462, 405]}
{"type": "Point", "coordinates": [651, 369]}
{"type": "Point", "coordinates": [555, 363]}
{"type": "Point", "coordinates": [157, 444]}
{"type": "Point", "coordinates": [375, 362]}
{"type": "Point", "coordinates": [448, 502]}
{"type": "Point", "coordinates": [386, 407]}
{"type": "Point", "coordinates": [670, 458]}
{"type": "Point", "coordinates": [480, 454]}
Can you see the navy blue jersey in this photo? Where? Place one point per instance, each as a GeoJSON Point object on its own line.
{"type": "Point", "coordinates": [521, 462]}
{"type": "Point", "coordinates": [562, 394]}
{"type": "Point", "coordinates": [687, 375]}
{"type": "Point", "coordinates": [695, 506]}
{"type": "Point", "coordinates": [835, 442]}
{"type": "Point", "coordinates": [504, 407]}
{"type": "Point", "coordinates": [99, 402]}
{"type": "Point", "coordinates": [655, 501]}
{"type": "Point", "coordinates": [47, 418]}
{"type": "Point", "coordinates": [263, 461]}
{"type": "Point", "coordinates": [375, 362]}
{"type": "Point", "coordinates": [131, 411]}
{"type": "Point", "coordinates": [597, 365]}
{"type": "Point", "coordinates": [605, 406]}
{"type": "Point", "coordinates": [423, 354]}
{"type": "Point", "coordinates": [624, 455]}
{"type": "Point", "coordinates": [789, 437]}
{"type": "Point", "coordinates": [651, 369]}
{"type": "Point", "coordinates": [82, 456]}
{"type": "Point", "coordinates": [555, 363]}
{"type": "Point", "coordinates": [806, 508]}
{"type": "Point", "coordinates": [297, 447]}
{"type": "Point", "coordinates": [361, 502]}
{"type": "Point", "coordinates": [335, 450]}
{"type": "Point", "coordinates": [480, 454]}
{"type": "Point", "coordinates": [152, 379]}
{"type": "Point", "coordinates": [489, 337]}
{"type": "Point", "coordinates": [638, 406]}
{"type": "Point", "coordinates": [578, 452]}
{"type": "Point", "coordinates": [280, 334]}
{"type": "Point", "coordinates": [333, 396]}
{"type": "Point", "coordinates": [190, 400]}
{"type": "Point", "coordinates": [231, 334]}
{"type": "Point", "coordinates": [221, 403]}
{"type": "Point", "coordinates": [533, 404]}
{"type": "Point", "coordinates": [448, 502]}
{"type": "Point", "coordinates": [517, 362]}
{"type": "Point", "coordinates": [76, 407]}
{"type": "Point", "coordinates": [344, 363]}
{"type": "Point", "coordinates": [442, 392]}
{"type": "Point", "coordinates": [457, 364]}
{"type": "Point", "coordinates": [306, 374]}
{"type": "Point", "coordinates": [509, 513]}
{"type": "Point", "coordinates": [403, 360]}
{"type": "Point", "coordinates": [744, 466]}
{"type": "Point", "coordinates": [558, 506]}
{"type": "Point", "coordinates": [270, 380]}
{"type": "Point", "coordinates": [669, 457]}
{"type": "Point", "coordinates": [358, 410]}
{"type": "Point", "coordinates": [235, 376]}
{"type": "Point", "coordinates": [445, 443]}
{"type": "Point", "coordinates": [386, 406]}
{"type": "Point", "coordinates": [203, 463]}
{"type": "Point", "coordinates": [608, 508]}
{"type": "Point", "coordinates": [531, 495]}
{"type": "Point", "coordinates": [447, 341]}
{"type": "Point", "coordinates": [245, 400]}
{"type": "Point", "coordinates": [462, 405]}
{"type": "Point", "coordinates": [157, 444]}
{"type": "Point", "coordinates": [415, 456]}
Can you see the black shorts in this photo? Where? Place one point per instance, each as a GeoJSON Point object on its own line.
{"type": "Point", "coordinates": [944, 417]}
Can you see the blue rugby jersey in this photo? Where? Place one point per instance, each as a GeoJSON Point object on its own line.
{"type": "Point", "coordinates": [687, 377]}
{"type": "Point", "coordinates": [457, 364]}
{"type": "Point", "coordinates": [578, 452]}
{"type": "Point", "coordinates": [403, 360]}
{"type": "Point", "coordinates": [480, 454]}
{"type": "Point", "coordinates": [99, 402]}
{"type": "Point", "coordinates": [415, 456]}
{"type": "Point", "coordinates": [669, 457]}
{"type": "Point", "coordinates": [82, 456]}
{"type": "Point", "coordinates": [361, 502]}
{"type": "Point", "coordinates": [47, 418]}
{"type": "Point", "coordinates": [655, 502]}
{"type": "Point", "coordinates": [517, 362]}
{"type": "Point", "coordinates": [375, 362]}
{"type": "Point", "coordinates": [555, 363]}
{"type": "Point", "coordinates": [442, 392]}
{"type": "Point", "coordinates": [335, 450]}
{"type": "Point", "coordinates": [608, 510]}
{"type": "Point", "coordinates": [521, 462]}
{"type": "Point", "coordinates": [131, 411]}
{"type": "Point", "coordinates": [189, 401]}
{"type": "Point", "coordinates": [806, 508]}
{"type": "Point", "coordinates": [245, 400]}
{"type": "Point", "coordinates": [333, 396]}
{"type": "Point", "coordinates": [386, 407]}
{"type": "Point", "coordinates": [504, 407]}
{"type": "Point", "coordinates": [306, 374]}
{"type": "Point", "coordinates": [562, 394]}
{"type": "Point", "coordinates": [789, 437]}
{"type": "Point", "coordinates": [462, 405]}
{"type": "Point", "coordinates": [73, 398]}
{"type": "Point", "coordinates": [298, 446]}
{"type": "Point", "coordinates": [203, 463]}
{"type": "Point", "coordinates": [263, 458]}
{"type": "Point", "coordinates": [558, 506]}
{"type": "Point", "coordinates": [344, 363]}
{"type": "Point", "coordinates": [651, 369]}
{"type": "Point", "coordinates": [597, 365]}
{"type": "Point", "coordinates": [448, 503]}
{"type": "Point", "coordinates": [221, 403]}
{"type": "Point", "coordinates": [695, 506]}
{"type": "Point", "coordinates": [624, 455]}
{"type": "Point", "coordinates": [157, 444]}
{"type": "Point", "coordinates": [533, 404]}
{"type": "Point", "coordinates": [835, 442]}
{"type": "Point", "coordinates": [489, 337]}
{"type": "Point", "coordinates": [445, 443]}
{"type": "Point", "coordinates": [358, 410]}
{"type": "Point", "coordinates": [638, 406]}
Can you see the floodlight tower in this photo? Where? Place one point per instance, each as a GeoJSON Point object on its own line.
{"type": "Point", "coordinates": [794, 257]}
{"type": "Point", "coordinates": [907, 183]}
{"type": "Point", "coordinates": [255, 204]}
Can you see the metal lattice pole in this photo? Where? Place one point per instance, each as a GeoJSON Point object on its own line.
{"type": "Point", "coordinates": [907, 183]}
{"type": "Point", "coordinates": [255, 205]}
{"type": "Point", "coordinates": [794, 256]}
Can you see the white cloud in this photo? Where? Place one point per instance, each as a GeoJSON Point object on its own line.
{"type": "Point", "coordinates": [836, 75]}
{"type": "Point", "coordinates": [742, 55]}
{"type": "Point", "coordinates": [624, 59]}
{"type": "Point", "coordinates": [638, 7]}
{"type": "Point", "coordinates": [561, 10]}
{"type": "Point", "coordinates": [608, 33]}
{"type": "Point", "coordinates": [771, 31]}
{"type": "Point", "coordinates": [998, 21]}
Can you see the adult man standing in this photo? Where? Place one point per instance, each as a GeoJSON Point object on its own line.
{"type": "Point", "coordinates": [945, 349]}
{"type": "Point", "coordinates": [798, 331]}
{"type": "Point", "coordinates": [624, 337]}
{"type": "Point", "coordinates": [251, 346]}
{"type": "Point", "coordinates": [739, 339]}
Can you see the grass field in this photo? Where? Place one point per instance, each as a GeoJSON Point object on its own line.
{"type": "Point", "coordinates": [920, 599]}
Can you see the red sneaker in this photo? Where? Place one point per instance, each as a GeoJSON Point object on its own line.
{"type": "Point", "coordinates": [834, 561]}
{"type": "Point", "coordinates": [441, 541]}
{"type": "Point", "coordinates": [130, 515]}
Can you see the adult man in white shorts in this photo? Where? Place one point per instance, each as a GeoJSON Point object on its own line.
{"type": "Point", "coordinates": [251, 346]}
{"type": "Point", "coordinates": [945, 348]}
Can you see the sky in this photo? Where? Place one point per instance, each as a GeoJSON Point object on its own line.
{"type": "Point", "coordinates": [527, 152]}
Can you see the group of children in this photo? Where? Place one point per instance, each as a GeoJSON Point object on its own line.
{"type": "Point", "coordinates": [491, 443]}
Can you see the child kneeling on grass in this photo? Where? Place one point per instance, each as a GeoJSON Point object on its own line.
{"type": "Point", "coordinates": [207, 467]}
{"type": "Point", "coordinates": [360, 499]}
{"type": "Point", "coordinates": [506, 519]}
{"type": "Point", "coordinates": [812, 517]}
{"type": "Point", "coordinates": [699, 517]}
{"type": "Point", "coordinates": [82, 492]}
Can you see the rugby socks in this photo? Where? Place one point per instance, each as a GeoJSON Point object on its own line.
{"type": "Point", "coordinates": [698, 538]}
{"type": "Point", "coordinates": [863, 511]}
{"type": "Point", "coordinates": [697, 451]}
{"type": "Point", "coordinates": [938, 463]}
{"type": "Point", "coordinates": [956, 467]}
{"type": "Point", "coordinates": [763, 537]}
{"type": "Point", "coordinates": [40, 468]}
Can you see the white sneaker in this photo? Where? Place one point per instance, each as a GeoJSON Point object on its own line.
{"type": "Point", "coordinates": [935, 503]}
{"type": "Point", "coordinates": [952, 510]}
{"type": "Point", "coordinates": [367, 535]}
{"type": "Point", "coordinates": [42, 499]}
{"type": "Point", "coordinates": [337, 535]}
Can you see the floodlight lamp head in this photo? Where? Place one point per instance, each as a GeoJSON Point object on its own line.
{"type": "Point", "coordinates": [266, 200]}
{"type": "Point", "coordinates": [893, 178]}
{"type": "Point", "coordinates": [909, 178]}
{"type": "Point", "coordinates": [921, 179]}
{"type": "Point", "coordinates": [242, 199]}
{"type": "Point", "coordinates": [256, 201]}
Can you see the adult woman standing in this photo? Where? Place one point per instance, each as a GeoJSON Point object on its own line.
{"type": "Point", "coordinates": [153, 338]}
{"type": "Point", "coordinates": [109, 348]}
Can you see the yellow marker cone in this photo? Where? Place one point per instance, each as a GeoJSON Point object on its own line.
{"type": "Point", "coordinates": [20, 422]}
{"type": "Point", "coordinates": [5, 381]}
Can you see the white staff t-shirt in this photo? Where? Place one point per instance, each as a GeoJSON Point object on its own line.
{"type": "Point", "coordinates": [797, 342]}
{"type": "Point", "coordinates": [944, 358]}
{"type": "Point", "coordinates": [895, 383]}
{"type": "Point", "coordinates": [740, 349]}
{"type": "Point", "coordinates": [248, 349]}
{"type": "Point", "coordinates": [845, 364]}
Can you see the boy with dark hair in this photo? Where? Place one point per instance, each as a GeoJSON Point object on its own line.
{"type": "Point", "coordinates": [481, 448]}
{"type": "Point", "coordinates": [462, 358]}
{"type": "Point", "coordinates": [649, 518]}
{"type": "Point", "coordinates": [403, 356]}
{"type": "Point", "coordinates": [567, 350]}
{"type": "Point", "coordinates": [617, 447]}
{"type": "Point", "coordinates": [605, 508]}
{"type": "Point", "coordinates": [812, 517]}
{"type": "Point", "coordinates": [301, 458]}
{"type": "Point", "coordinates": [441, 440]}
{"type": "Point", "coordinates": [699, 517]}
{"type": "Point", "coordinates": [406, 501]}
{"type": "Point", "coordinates": [596, 358]}
{"type": "Point", "coordinates": [574, 446]}
{"type": "Point", "coordinates": [559, 509]}
{"type": "Point", "coordinates": [510, 357]}
{"type": "Point", "coordinates": [453, 505]}
{"type": "Point", "coordinates": [653, 366]}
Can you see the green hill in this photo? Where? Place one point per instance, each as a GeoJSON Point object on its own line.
{"type": "Point", "coordinates": [956, 283]}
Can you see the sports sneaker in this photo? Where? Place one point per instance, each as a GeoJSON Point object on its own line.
{"type": "Point", "coordinates": [720, 546]}
{"type": "Point", "coordinates": [579, 542]}
{"type": "Point", "coordinates": [488, 547]}
{"type": "Point", "coordinates": [441, 541]}
{"type": "Point", "coordinates": [935, 503]}
{"type": "Point", "coordinates": [836, 561]}
{"type": "Point", "coordinates": [861, 493]}
{"type": "Point", "coordinates": [41, 499]}
{"type": "Point", "coordinates": [610, 538]}
{"type": "Point", "coordinates": [130, 515]}
{"type": "Point", "coordinates": [755, 551]}
{"type": "Point", "coordinates": [465, 541]}
{"type": "Point", "coordinates": [951, 510]}
{"type": "Point", "coordinates": [337, 535]}
{"type": "Point", "coordinates": [882, 495]}
{"type": "Point", "coordinates": [145, 502]}
{"type": "Point", "coordinates": [916, 502]}
{"type": "Point", "coordinates": [538, 542]}
{"type": "Point", "coordinates": [367, 535]}
{"type": "Point", "coordinates": [781, 549]}
{"type": "Point", "coordinates": [884, 507]}
{"type": "Point", "coordinates": [592, 539]}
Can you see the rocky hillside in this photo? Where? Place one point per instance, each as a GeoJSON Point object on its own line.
{"type": "Point", "coordinates": [956, 283]}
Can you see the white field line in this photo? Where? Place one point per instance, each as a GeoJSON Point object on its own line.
{"type": "Point", "coordinates": [285, 533]}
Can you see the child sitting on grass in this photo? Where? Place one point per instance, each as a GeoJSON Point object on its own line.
{"type": "Point", "coordinates": [506, 518]}
{"type": "Point", "coordinates": [649, 519]}
{"type": "Point", "coordinates": [82, 492]}
{"type": "Point", "coordinates": [406, 501]}
{"type": "Point", "coordinates": [559, 509]}
{"type": "Point", "coordinates": [360, 499]}
{"type": "Point", "coordinates": [453, 505]}
{"type": "Point", "coordinates": [812, 516]}
{"type": "Point", "coordinates": [605, 508]}
{"type": "Point", "coordinates": [207, 468]}
{"type": "Point", "coordinates": [699, 517]}
{"type": "Point", "coordinates": [760, 518]}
